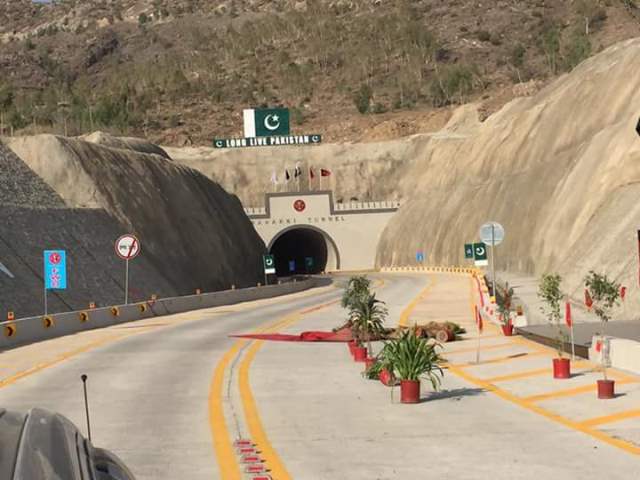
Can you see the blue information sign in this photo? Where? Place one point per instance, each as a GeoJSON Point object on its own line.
{"type": "Point", "coordinates": [292, 265]}
{"type": "Point", "coordinates": [419, 256]}
{"type": "Point", "coordinates": [55, 270]}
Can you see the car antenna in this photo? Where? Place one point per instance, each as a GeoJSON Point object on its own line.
{"type": "Point", "coordinates": [83, 377]}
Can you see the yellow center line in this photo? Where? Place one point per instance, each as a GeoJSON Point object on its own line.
{"type": "Point", "coordinates": [616, 417]}
{"type": "Point", "coordinates": [404, 316]}
{"type": "Point", "coordinates": [229, 468]}
{"type": "Point", "coordinates": [467, 350]}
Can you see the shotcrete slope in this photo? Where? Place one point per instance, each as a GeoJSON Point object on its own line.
{"type": "Point", "coordinates": [560, 171]}
{"type": "Point", "coordinates": [191, 230]}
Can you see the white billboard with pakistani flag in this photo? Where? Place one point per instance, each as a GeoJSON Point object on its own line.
{"type": "Point", "coordinates": [267, 127]}
{"type": "Point", "coordinates": [266, 122]}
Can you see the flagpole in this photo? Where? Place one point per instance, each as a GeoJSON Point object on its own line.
{"type": "Point", "coordinates": [573, 344]}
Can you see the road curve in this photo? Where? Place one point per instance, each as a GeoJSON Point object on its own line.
{"type": "Point", "coordinates": [149, 392]}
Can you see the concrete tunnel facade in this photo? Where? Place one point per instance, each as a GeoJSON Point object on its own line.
{"type": "Point", "coordinates": [308, 233]}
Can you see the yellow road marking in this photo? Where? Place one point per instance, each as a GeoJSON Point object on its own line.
{"type": "Point", "coordinates": [65, 356]}
{"type": "Point", "coordinates": [229, 469]}
{"type": "Point", "coordinates": [467, 350]}
{"type": "Point", "coordinates": [508, 358]}
{"type": "Point", "coordinates": [252, 417]}
{"type": "Point", "coordinates": [616, 442]}
{"type": "Point", "coordinates": [616, 417]}
{"type": "Point", "coordinates": [404, 316]}
{"type": "Point", "coordinates": [569, 392]}
{"type": "Point", "coordinates": [505, 395]}
{"type": "Point", "coordinates": [530, 373]}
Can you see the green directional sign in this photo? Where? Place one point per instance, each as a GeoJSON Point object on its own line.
{"type": "Point", "coordinates": [269, 263]}
{"type": "Point", "coordinates": [308, 263]}
{"type": "Point", "coordinates": [480, 254]}
{"type": "Point", "coordinates": [468, 250]}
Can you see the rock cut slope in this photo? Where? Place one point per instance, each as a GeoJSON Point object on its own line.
{"type": "Point", "coordinates": [193, 234]}
{"type": "Point", "coordinates": [560, 170]}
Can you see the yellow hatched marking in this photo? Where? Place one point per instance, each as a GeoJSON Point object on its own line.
{"type": "Point", "coordinates": [508, 358]}
{"type": "Point", "coordinates": [616, 417]}
{"type": "Point", "coordinates": [569, 392]}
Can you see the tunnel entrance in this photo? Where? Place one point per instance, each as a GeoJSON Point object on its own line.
{"type": "Point", "coordinates": [301, 250]}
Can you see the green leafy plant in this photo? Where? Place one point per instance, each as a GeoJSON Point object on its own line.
{"type": "Point", "coordinates": [358, 286]}
{"type": "Point", "coordinates": [550, 293]}
{"type": "Point", "coordinates": [367, 315]}
{"type": "Point", "coordinates": [605, 294]}
{"type": "Point", "coordinates": [413, 357]}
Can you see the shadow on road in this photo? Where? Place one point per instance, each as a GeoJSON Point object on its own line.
{"type": "Point", "coordinates": [455, 394]}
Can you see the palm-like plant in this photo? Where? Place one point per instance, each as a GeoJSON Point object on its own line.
{"type": "Point", "coordinates": [367, 315]}
{"type": "Point", "coordinates": [357, 287]}
{"type": "Point", "coordinates": [413, 357]}
{"type": "Point", "coordinates": [505, 303]}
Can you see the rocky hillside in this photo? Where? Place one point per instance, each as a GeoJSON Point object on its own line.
{"type": "Point", "coordinates": [179, 72]}
{"type": "Point", "coordinates": [560, 171]}
{"type": "Point", "coordinates": [81, 195]}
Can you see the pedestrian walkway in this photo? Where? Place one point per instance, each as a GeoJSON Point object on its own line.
{"type": "Point", "coordinates": [520, 371]}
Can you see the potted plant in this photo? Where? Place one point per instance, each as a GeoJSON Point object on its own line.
{"type": "Point", "coordinates": [382, 368]}
{"type": "Point", "coordinates": [357, 287]}
{"type": "Point", "coordinates": [550, 293]}
{"type": "Point", "coordinates": [504, 299]}
{"type": "Point", "coordinates": [412, 358]}
{"type": "Point", "coordinates": [605, 294]}
{"type": "Point", "coordinates": [367, 315]}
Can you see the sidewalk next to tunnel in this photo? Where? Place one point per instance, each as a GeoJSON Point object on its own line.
{"type": "Point", "coordinates": [503, 418]}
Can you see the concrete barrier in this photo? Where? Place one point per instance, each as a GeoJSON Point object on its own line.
{"type": "Point", "coordinates": [623, 353]}
{"type": "Point", "coordinates": [34, 329]}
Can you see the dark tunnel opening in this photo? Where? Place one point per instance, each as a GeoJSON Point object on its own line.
{"type": "Point", "coordinates": [299, 251]}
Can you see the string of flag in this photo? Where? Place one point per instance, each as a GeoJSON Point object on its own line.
{"type": "Point", "coordinates": [297, 173]}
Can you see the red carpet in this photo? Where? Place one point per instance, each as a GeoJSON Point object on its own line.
{"type": "Point", "coordinates": [343, 335]}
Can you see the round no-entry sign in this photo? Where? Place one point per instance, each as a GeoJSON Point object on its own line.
{"type": "Point", "coordinates": [127, 247]}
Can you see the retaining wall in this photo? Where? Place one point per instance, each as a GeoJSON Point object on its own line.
{"type": "Point", "coordinates": [34, 329]}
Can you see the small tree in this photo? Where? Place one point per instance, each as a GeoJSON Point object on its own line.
{"type": "Point", "coordinates": [505, 302]}
{"type": "Point", "coordinates": [550, 293]}
{"type": "Point", "coordinates": [605, 294]}
{"type": "Point", "coordinates": [367, 315]}
{"type": "Point", "coordinates": [358, 286]}
{"type": "Point", "coordinates": [362, 98]}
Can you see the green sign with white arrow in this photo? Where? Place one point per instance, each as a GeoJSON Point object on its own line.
{"type": "Point", "coordinates": [269, 263]}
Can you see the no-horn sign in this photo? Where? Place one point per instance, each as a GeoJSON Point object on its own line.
{"type": "Point", "coordinates": [127, 247]}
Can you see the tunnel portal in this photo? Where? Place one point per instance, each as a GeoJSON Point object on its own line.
{"type": "Point", "coordinates": [300, 250]}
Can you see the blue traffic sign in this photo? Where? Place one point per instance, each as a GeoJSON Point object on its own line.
{"type": "Point", "coordinates": [292, 265]}
{"type": "Point", "coordinates": [419, 256]}
{"type": "Point", "coordinates": [55, 270]}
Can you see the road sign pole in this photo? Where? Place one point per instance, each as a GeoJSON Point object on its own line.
{"type": "Point", "coordinates": [266, 281]}
{"type": "Point", "coordinates": [45, 299]}
{"type": "Point", "coordinates": [126, 282]}
{"type": "Point", "coordinates": [493, 255]}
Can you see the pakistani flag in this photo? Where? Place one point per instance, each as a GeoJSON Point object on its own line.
{"type": "Point", "coordinates": [266, 122]}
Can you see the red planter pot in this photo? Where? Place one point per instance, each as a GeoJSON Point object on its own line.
{"type": "Point", "coordinates": [561, 368]}
{"type": "Point", "coordinates": [507, 330]}
{"type": "Point", "coordinates": [359, 354]}
{"type": "Point", "coordinates": [409, 391]}
{"type": "Point", "coordinates": [386, 377]}
{"type": "Point", "coordinates": [351, 347]}
{"type": "Point", "coordinates": [606, 389]}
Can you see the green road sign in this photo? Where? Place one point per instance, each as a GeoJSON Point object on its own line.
{"type": "Point", "coordinates": [308, 263]}
{"type": "Point", "coordinates": [468, 250]}
{"type": "Point", "coordinates": [480, 254]}
{"type": "Point", "coordinates": [269, 263]}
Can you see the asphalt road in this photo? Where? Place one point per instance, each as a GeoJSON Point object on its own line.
{"type": "Point", "coordinates": [149, 392]}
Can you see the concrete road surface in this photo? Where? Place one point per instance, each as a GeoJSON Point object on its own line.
{"type": "Point", "coordinates": [170, 395]}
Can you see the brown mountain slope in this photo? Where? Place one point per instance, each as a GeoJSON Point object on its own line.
{"type": "Point", "coordinates": [180, 71]}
